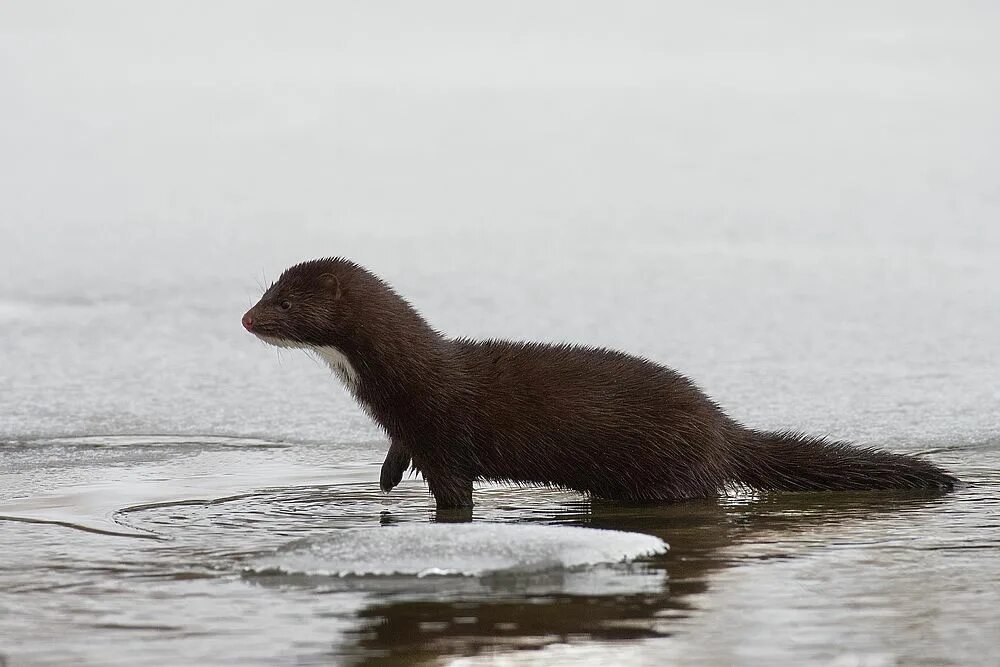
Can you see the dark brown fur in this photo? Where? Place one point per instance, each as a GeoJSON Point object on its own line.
{"type": "Point", "coordinates": [590, 419]}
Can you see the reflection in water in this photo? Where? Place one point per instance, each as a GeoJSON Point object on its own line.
{"type": "Point", "coordinates": [847, 571]}
{"type": "Point", "coordinates": [700, 535]}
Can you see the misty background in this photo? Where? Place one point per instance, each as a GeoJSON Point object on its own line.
{"type": "Point", "coordinates": [795, 204]}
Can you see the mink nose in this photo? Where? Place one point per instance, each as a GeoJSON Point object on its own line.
{"type": "Point", "coordinates": [248, 321]}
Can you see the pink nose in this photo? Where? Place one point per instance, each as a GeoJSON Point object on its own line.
{"type": "Point", "coordinates": [248, 322]}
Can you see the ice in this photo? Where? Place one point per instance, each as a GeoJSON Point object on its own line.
{"type": "Point", "coordinates": [473, 549]}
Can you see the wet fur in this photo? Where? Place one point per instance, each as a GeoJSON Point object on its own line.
{"type": "Point", "coordinates": [598, 421]}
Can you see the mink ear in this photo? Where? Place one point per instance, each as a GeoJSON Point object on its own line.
{"type": "Point", "coordinates": [333, 283]}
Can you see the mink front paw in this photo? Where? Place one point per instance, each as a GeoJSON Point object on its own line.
{"type": "Point", "coordinates": [393, 467]}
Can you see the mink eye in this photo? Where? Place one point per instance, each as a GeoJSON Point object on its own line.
{"type": "Point", "coordinates": [285, 305]}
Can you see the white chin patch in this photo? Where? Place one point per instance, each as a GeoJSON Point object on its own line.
{"type": "Point", "coordinates": [334, 358]}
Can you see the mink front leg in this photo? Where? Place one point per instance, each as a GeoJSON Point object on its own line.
{"type": "Point", "coordinates": [396, 463]}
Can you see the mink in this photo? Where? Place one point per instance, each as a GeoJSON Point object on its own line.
{"type": "Point", "coordinates": [591, 419]}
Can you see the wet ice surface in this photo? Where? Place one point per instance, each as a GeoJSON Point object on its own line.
{"type": "Point", "coordinates": [799, 210]}
{"type": "Point", "coordinates": [463, 550]}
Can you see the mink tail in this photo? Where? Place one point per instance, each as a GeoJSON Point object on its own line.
{"type": "Point", "coordinates": [788, 461]}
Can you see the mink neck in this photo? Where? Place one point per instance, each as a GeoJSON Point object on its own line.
{"type": "Point", "coordinates": [401, 365]}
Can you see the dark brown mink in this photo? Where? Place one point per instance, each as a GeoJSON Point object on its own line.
{"type": "Point", "coordinates": [594, 420]}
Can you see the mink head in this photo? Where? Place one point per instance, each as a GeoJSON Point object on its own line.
{"type": "Point", "coordinates": [305, 307]}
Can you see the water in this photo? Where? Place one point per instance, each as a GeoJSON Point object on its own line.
{"type": "Point", "coordinates": [167, 549]}
{"type": "Point", "coordinates": [799, 212]}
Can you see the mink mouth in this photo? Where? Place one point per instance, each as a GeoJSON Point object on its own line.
{"type": "Point", "coordinates": [277, 341]}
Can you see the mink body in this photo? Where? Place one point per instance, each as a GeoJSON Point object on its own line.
{"type": "Point", "coordinates": [594, 420]}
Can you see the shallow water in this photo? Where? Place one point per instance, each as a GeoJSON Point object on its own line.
{"type": "Point", "coordinates": [166, 549]}
{"type": "Point", "coordinates": [796, 207]}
